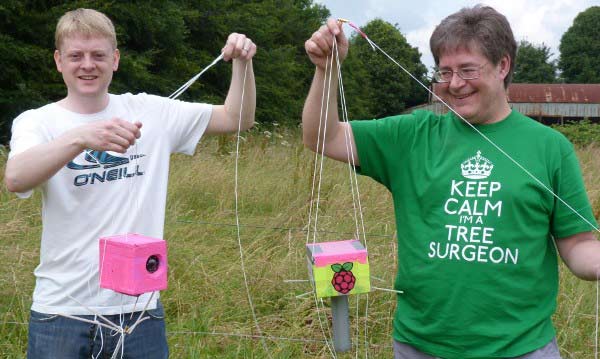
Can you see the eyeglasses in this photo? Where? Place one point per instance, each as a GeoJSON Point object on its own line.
{"type": "Point", "coordinates": [465, 73]}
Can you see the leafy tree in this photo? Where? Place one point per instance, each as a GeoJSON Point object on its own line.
{"type": "Point", "coordinates": [385, 90]}
{"type": "Point", "coordinates": [279, 28]}
{"type": "Point", "coordinates": [580, 48]}
{"type": "Point", "coordinates": [533, 64]}
{"type": "Point", "coordinates": [163, 44]}
{"type": "Point", "coordinates": [28, 77]}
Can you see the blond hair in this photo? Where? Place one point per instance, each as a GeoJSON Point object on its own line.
{"type": "Point", "coordinates": [85, 22]}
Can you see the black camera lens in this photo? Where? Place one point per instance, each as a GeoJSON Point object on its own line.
{"type": "Point", "coordinates": [152, 264]}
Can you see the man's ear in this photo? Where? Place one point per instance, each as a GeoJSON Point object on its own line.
{"type": "Point", "coordinates": [116, 58]}
{"type": "Point", "coordinates": [57, 60]}
{"type": "Point", "coordinates": [504, 66]}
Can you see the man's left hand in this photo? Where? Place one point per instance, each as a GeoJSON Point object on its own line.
{"type": "Point", "coordinates": [238, 46]}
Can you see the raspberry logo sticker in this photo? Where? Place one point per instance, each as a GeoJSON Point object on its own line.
{"type": "Point", "coordinates": [343, 280]}
{"type": "Point", "coordinates": [338, 268]}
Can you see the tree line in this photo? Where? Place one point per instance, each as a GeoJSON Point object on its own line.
{"type": "Point", "coordinates": [164, 43]}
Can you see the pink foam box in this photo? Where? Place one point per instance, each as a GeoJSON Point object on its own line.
{"type": "Point", "coordinates": [133, 264]}
{"type": "Point", "coordinates": [338, 268]}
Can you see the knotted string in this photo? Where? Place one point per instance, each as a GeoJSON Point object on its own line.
{"type": "Point", "coordinates": [186, 85]}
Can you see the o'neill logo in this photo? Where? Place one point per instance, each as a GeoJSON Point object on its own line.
{"type": "Point", "coordinates": [104, 160]}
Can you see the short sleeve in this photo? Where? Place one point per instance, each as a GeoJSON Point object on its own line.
{"type": "Point", "coordinates": [382, 144]}
{"type": "Point", "coordinates": [26, 132]}
{"type": "Point", "coordinates": [183, 122]}
{"type": "Point", "coordinates": [186, 123]}
{"type": "Point", "coordinates": [191, 121]}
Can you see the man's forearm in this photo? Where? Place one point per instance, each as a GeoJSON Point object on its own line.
{"type": "Point", "coordinates": [233, 101]}
{"type": "Point", "coordinates": [581, 253]}
{"type": "Point", "coordinates": [36, 165]}
{"type": "Point", "coordinates": [315, 109]}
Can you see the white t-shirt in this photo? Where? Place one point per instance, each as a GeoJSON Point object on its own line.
{"type": "Point", "coordinates": [102, 194]}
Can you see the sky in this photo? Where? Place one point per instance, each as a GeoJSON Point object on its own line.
{"type": "Point", "coordinates": [537, 21]}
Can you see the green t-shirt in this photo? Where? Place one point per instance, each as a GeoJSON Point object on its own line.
{"type": "Point", "coordinates": [476, 259]}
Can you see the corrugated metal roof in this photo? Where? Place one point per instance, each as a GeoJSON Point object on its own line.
{"type": "Point", "coordinates": [550, 93]}
{"type": "Point", "coordinates": [532, 109]}
{"type": "Point", "coordinates": [554, 93]}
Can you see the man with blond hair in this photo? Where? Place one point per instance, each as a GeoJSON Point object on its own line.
{"type": "Point", "coordinates": [476, 235]}
{"type": "Point", "coordinates": [80, 153]}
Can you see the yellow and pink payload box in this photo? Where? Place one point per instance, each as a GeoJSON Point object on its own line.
{"type": "Point", "coordinates": [133, 264]}
{"type": "Point", "coordinates": [338, 268]}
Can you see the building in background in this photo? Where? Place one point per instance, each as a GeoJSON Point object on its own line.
{"type": "Point", "coordinates": [546, 103]}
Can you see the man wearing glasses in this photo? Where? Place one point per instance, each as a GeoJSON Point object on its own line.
{"type": "Point", "coordinates": [474, 198]}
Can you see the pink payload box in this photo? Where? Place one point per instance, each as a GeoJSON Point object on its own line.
{"type": "Point", "coordinates": [133, 264]}
{"type": "Point", "coordinates": [325, 253]}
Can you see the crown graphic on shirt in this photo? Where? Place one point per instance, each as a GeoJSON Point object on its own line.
{"type": "Point", "coordinates": [476, 167]}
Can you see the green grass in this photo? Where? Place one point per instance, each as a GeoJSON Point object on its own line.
{"type": "Point", "coordinates": [206, 288]}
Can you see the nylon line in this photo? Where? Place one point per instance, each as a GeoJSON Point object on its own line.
{"type": "Point", "coordinates": [278, 228]}
{"type": "Point", "coordinates": [237, 217]}
{"type": "Point", "coordinates": [327, 79]}
{"type": "Point", "coordinates": [355, 199]}
{"type": "Point", "coordinates": [189, 83]}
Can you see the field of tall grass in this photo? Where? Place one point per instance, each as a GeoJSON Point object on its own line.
{"type": "Point", "coordinates": [208, 312]}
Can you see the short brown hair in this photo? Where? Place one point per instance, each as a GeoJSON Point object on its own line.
{"type": "Point", "coordinates": [479, 26]}
{"type": "Point", "coordinates": [85, 22]}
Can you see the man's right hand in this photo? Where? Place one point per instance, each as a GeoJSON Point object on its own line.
{"type": "Point", "coordinates": [115, 135]}
{"type": "Point", "coordinates": [338, 140]}
{"type": "Point", "coordinates": [320, 44]}
{"type": "Point", "coordinates": [36, 165]}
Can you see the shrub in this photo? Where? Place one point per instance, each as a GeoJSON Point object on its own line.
{"type": "Point", "coordinates": [581, 133]}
